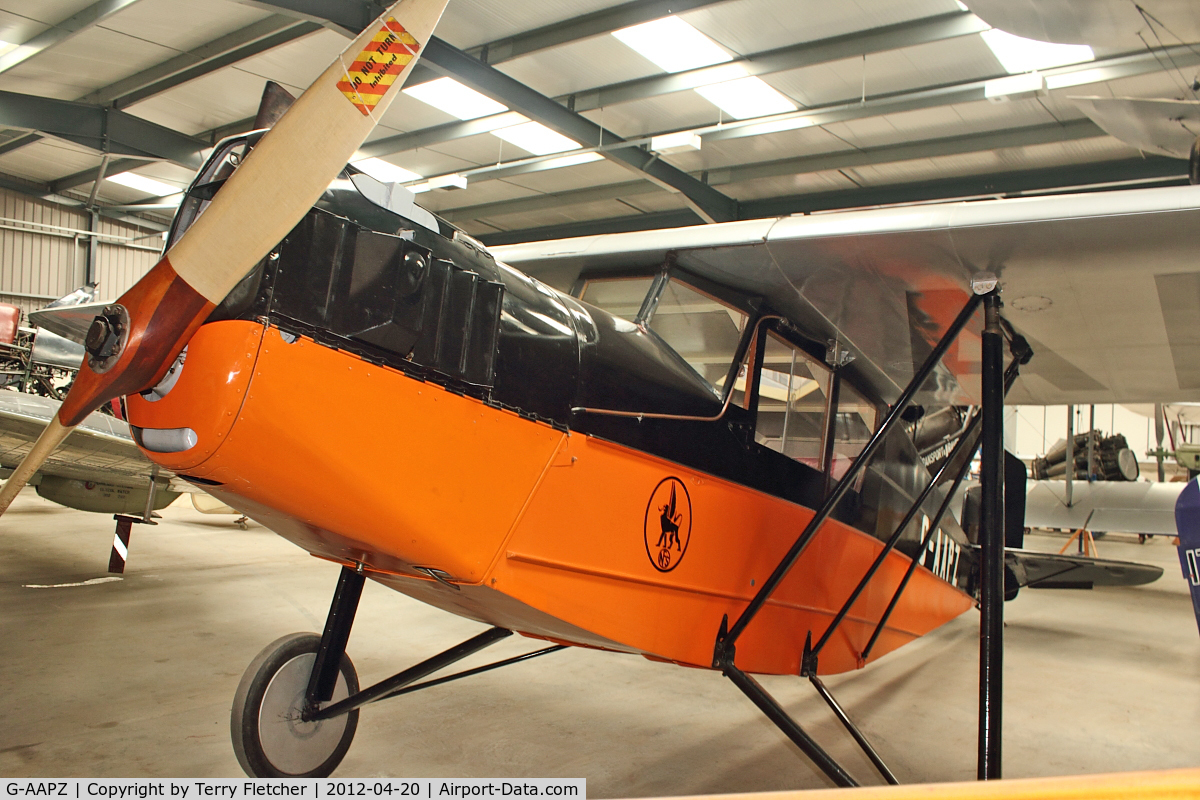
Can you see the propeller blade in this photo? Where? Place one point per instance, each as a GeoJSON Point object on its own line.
{"type": "Point", "coordinates": [275, 102]}
{"type": "Point", "coordinates": [49, 439]}
{"type": "Point", "coordinates": [132, 342]}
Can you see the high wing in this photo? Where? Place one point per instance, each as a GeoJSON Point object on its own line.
{"type": "Point", "coordinates": [887, 282]}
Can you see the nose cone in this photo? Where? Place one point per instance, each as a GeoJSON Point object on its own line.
{"type": "Point", "coordinates": [183, 427]}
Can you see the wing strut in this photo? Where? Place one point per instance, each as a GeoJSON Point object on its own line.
{"type": "Point", "coordinates": [995, 382]}
{"type": "Point", "coordinates": [724, 651]}
{"type": "Point", "coordinates": [991, 543]}
{"type": "Point", "coordinates": [967, 439]}
{"type": "Point", "coordinates": [1010, 376]}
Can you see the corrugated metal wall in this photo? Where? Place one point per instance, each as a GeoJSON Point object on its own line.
{"type": "Point", "coordinates": [43, 255]}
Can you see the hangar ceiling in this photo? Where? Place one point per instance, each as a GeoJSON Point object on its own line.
{"type": "Point", "coordinates": [869, 102]}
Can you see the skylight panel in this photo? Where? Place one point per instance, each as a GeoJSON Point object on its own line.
{"type": "Point", "coordinates": [746, 98]}
{"type": "Point", "coordinates": [143, 184]}
{"type": "Point", "coordinates": [536, 138]}
{"type": "Point", "coordinates": [1018, 55]}
{"type": "Point", "coordinates": [673, 44]}
{"type": "Point", "coordinates": [385, 171]}
{"type": "Point", "coordinates": [447, 94]}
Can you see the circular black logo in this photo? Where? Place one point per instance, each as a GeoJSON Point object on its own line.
{"type": "Point", "coordinates": [668, 525]}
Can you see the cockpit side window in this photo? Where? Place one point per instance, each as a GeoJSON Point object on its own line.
{"type": "Point", "coordinates": [218, 169]}
{"type": "Point", "coordinates": [702, 329]}
{"type": "Point", "coordinates": [792, 402]}
{"type": "Point", "coordinates": [621, 297]}
{"type": "Point", "coordinates": [789, 391]}
{"type": "Point", "coordinates": [852, 429]}
{"type": "Point", "coordinates": [705, 331]}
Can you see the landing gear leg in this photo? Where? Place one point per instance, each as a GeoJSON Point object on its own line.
{"type": "Point", "coordinates": [273, 733]}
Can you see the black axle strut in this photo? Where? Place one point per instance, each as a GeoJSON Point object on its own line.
{"type": "Point", "coordinates": [333, 646]}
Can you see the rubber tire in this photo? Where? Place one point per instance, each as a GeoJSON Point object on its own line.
{"type": "Point", "coordinates": [247, 704]}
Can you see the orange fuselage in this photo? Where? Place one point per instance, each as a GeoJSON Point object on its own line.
{"type": "Point", "coordinates": [530, 526]}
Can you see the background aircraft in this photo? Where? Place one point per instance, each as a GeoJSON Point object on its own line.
{"type": "Point", "coordinates": [101, 469]}
{"type": "Point", "coordinates": [98, 469]}
{"type": "Point", "coordinates": [1103, 492]}
{"type": "Point", "coordinates": [1165, 126]}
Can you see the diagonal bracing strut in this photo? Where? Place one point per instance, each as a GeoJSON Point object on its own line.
{"type": "Point", "coordinates": [966, 439]}
{"type": "Point", "coordinates": [725, 650]}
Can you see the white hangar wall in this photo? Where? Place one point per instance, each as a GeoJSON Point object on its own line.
{"type": "Point", "coordinates": [1030, 431]}
{"type": "Point", "coordinates": [43, 252]}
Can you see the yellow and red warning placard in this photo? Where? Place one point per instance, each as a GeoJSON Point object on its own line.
{"type": "Point", "coordinates": [375, 69]}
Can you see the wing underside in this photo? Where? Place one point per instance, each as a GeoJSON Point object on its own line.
{"type": "Point", "coordinates": [1105, 286]}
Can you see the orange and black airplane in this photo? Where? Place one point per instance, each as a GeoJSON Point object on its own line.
{"type": "Point", "coordinates": [729, 447]}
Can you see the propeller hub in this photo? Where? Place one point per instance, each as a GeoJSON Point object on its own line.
{"type": "Point", "coordinates": [106, 338]}
{"type": "Point", "coordinates": [97, 334]}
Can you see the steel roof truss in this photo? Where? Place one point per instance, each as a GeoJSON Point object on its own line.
{"type": "Point", "coordinates": [840, 159]}
{"type": "Point", "coordinates": [806, 54]}
{"type": "Point", "coordinates": [102, 129]}
{"type": "Point", "coordinates": [90, 17]}
{"type": "Point", "coordinates": [244, 43]}
{"type": "Point", "coordinates": [710, 204]}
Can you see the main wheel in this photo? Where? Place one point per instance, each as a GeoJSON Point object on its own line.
{"type": "Point", "coordinates": [269, 738]}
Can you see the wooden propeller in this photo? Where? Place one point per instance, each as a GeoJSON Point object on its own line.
{"type": "Point", "coordinates": [133, 341]}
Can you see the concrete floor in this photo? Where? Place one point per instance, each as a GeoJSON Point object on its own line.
{"type": "Point", "coordinates": [134, 678]}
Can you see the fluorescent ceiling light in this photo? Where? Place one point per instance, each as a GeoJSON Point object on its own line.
{"type": "Point", "coordinates": [1015, 87]}
{"type": "Point", "coordinates": [675, 142]}
{"type": "Point", "coordinates": [1080, 77]}
{"type": "Point", "coordinates": [1016, 54]}
{"type": "Point", "coordinates": [746, 98]}
{"type": "Point", "coordinates": [571, 161]}
{"type": "Point", "coordinates": [673, 44]}
{"type": "Point", "coordinates": [144, 184]}
{"type": "Point", "coordinates": [454, 181]}
{"type": "Point", "coordinates": [789, 124]}
{"type": "Point", "coordinates": [6, 48]}
{"type": "Point", "coordinates": [455, 99]}
{"type": "Point", "coordinates": [386, 172]}
{"type": "Point", "coordinates": [536, 138]}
